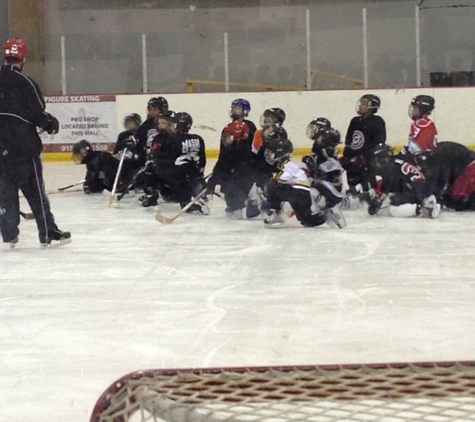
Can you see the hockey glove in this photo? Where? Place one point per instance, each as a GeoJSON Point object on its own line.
{"type": "Point", "coordinates": [130, 142]}
{"type": "Point", "coordinates": [52, 126]}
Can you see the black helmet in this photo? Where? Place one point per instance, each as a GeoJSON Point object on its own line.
{"type": "Point", "coordinates": [277, 146]}
{"type": "Point", "coordinates": [182, 122]}
{"type": "Point", "coordinates": [134, 117]}
{"type": "Point", "coordinates": [157, 102]}
{"type": "Point", "coordinates": [330, 137]}
{"type": "Point", "coordinates": [316, 127]}
{"type": "Point", "coordinates": [373, 102]}
{"type": "Point", "coordinates": [81, 150]}
{"type": "Point", "coordinates": [425, 104]}
{"type": "Point", "coordinates": [166, 115]}
{"type": "Point", "coordinates": [381, 153]}
{"type": "Point", "coordinates": [277, 115]}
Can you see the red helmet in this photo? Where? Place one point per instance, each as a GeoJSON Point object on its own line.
{"type": "Point", "coordinates": [15, 47]}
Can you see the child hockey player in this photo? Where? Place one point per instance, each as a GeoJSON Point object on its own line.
{"type": "Point", "coordinates": [127, 139]}
{"type": "Point", "coordinates": [179, 163]}
{"type": "Point", "coordinates": [364, 132]}
{"type": "Point", "coordinates": [324, 167]}
{"type": "Point", "coordinates": [404, 183]}
{"type": "Point", "coordinates": [423, 133]}
{"type": "Point", "coordinates": [290, 184]}
{"type": "Point", "coordinates": [271, 118]}
{"type": "Point", "coordinates": [315, 128]}
{"type": "Point", "coordinates": [233, 170]}
{"type": "Point", "coordinates": [148, 129]}
{"type": "Point", "coordinates": [101, 167]}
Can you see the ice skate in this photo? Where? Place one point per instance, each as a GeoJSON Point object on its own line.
{"type": "Point", "coordinates": [59, 239]}
{"type": "Point", "coordinates": [430, 208]}
{"type": "Point", "coordinates": [10, 246]}
{"type": "Point", "coordinates": [149, 200]}
{"type": "Point", "coordinates": [275, 219]}
{"type": "Point", "coordinates": [335, 217]}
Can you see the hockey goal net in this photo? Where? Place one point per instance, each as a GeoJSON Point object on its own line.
{"type": "Point", "coordinates": [434, 392]}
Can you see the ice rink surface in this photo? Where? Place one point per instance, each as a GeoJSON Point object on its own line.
{"type": "Point", "coordinates": [130, 293]}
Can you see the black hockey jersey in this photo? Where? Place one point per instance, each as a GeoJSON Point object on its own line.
{"type": "Point", "coordinates": [363, 134]}
{"type": "Point", "coordinates": [101, 169]}
{"type": "Point", "coordinates": [145, 135]}
{"type": "Point", "coordinates": [402, 179]}
{"type": "Point", "coordinates": [323, 165]}
{"type": "Point", "coordinates": [444, 165]}
{"type": "Point", "coordinates": [236, 154]}
{"type": "Point", "coordinates": [183, 148]}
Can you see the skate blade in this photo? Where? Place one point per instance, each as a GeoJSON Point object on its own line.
{"type": "Point", "coordinates": [279, 225]}
{"type": "Point", "coordinates": [57, 244]}
{"type": "Point", "coordinates": [336, 220]}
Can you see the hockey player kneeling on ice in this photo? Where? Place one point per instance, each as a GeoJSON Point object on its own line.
{"type": "Point", "coordinates": [314, 129]}
{"type": "Point", "coordinates": [325, 169]}
{"type": "Point", "coordinates": [179, 163]}
{"type": "Point", "coordinates": [403, 183]}
{"type": "Point", "coordinates": [147, 178]}
{"type": "Point", "coordinates": [101, 167]}
{"type": "Point", "coordinates": [449, 170]}
{"type": "Point", "coordinates": [262, 170]}
{"type": "Point", "coordinates": [128, 140]}
{"type": "Point", "coordinates": [365, 131]}
{"type": "Point", "coordinates": [148, 129]}
{"type": "Point", "coordinates": [460, 163]}
{"type": "Point", "coordinates": [233, 170]}
{"type": "Point", "coordinates": [290, 184]}
{"type": "Point", "coordinates": [423, 133]}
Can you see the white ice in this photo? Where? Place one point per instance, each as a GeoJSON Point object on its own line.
{"type": "Point", "coordinates": [130, 293]}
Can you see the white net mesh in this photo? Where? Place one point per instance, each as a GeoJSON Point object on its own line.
{"type": "Point", "coordinates": [433, 392]}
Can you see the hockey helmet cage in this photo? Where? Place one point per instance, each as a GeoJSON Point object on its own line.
{"type": "Point", "coordinates": [381, 154]}
{"type": "Point", "coordinates": [373, 102]}
{"type": "Point", "coordinates": [80, 151]}
{"type": "Point", "coordinates": [425, 104]}
{"type": "Point", "coordinates": [316, 127]}
{"type": "Point", "coordinates": [240, 108]}
{"type": "Point", "coordinates": [16, 48]}
{"type": "Point", "coordinates": [157, 102]}
{"type": "Point", "coordinates": [277, 146]}
{"type": "Point", "coordinates": [182, 122]}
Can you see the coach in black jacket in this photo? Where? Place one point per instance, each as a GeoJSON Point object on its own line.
{"type": "Point", "coordinates": [22, 112]}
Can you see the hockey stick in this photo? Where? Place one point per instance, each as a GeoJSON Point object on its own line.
{"type": "Point", "coordinates": [27, 215]}
{"type": "Point", "coordinates": [116, 181]}
{"type": "Point", "coordinates": [71, 186]}
{"type": "Point", "coordinates": [165, 220]}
